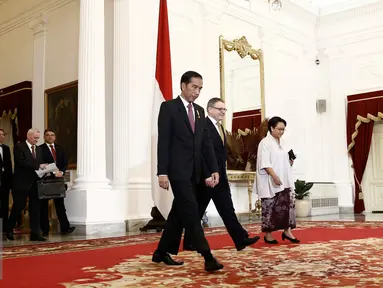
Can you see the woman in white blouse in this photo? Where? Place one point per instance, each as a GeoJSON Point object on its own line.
{"type": "Point", "coordinates": [274, 184]}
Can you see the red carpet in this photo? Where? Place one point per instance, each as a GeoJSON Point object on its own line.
{"type": "Point", "coordinates": [332, 254]}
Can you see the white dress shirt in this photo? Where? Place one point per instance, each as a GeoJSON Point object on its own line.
{"type": "Point", "coordinates": [186, 103]}
{"type": "Point", "coordinates": [215, 122]}
{"type": "Point", "coordinates": [30, 147]}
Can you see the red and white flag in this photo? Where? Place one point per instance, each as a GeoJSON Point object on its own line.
{"type": "Point", "coordinates": [162, 91]}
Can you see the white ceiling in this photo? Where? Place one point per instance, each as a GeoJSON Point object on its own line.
{"type": "Point", "coordinates": [325, 7]}
{"type": "Point", "coordinates": [326, 3]}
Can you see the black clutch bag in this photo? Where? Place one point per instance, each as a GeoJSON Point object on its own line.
{"type": "Point", "coordinates": [292, 155]}
{"type": "Point", "coordinates": [51, 188]}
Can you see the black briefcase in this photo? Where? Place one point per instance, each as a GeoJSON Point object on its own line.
{"type": "Point", "coordinates": [51, 188]}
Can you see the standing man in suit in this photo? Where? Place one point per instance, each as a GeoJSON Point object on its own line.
{"type": "Point", "coordinates": [53, 153]}
{"type": "Point", "coordinates": [5, 180]}
{"type": "Point", "coordinates": [221, 192]}
{"type": "Point", "coordinates": [182, 140]}
{"type": "Point", "coordinates": [28, 159]}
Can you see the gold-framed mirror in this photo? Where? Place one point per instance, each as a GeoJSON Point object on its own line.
{"type": "Point", "coordinates": [241, 83]}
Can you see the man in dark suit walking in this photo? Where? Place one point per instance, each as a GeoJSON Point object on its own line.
{"type": "Point", "coordinates": [53, 153]}
{"type": "Point", "coordinates": [182, 140]}
{"type": "Point", "coordinates": [5, 180]}
{"type": "Point", "coordinates": [221, 192]}
{"type": "Point", "coordinates": [28, 159]}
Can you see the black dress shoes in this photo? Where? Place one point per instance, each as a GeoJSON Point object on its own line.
{"type": "Point", "coordinates": [247, 242]}
{"type": "Point", "coordinates": [292, 240]}
{"type": "Point", "coordinates": [35, 237]}
{"type": "Point", "coordinates": [158, 258]}
{"type": "Point", "coordinates": [212, 265]}
{"type": "Point", "coordinates": [270, 241]}
{"type": "Point", "coordinates": [10, 236]}
{"type": "Point", "coordinates": [70, 230]}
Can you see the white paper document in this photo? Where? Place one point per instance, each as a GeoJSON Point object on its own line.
{"type": "Point", "coordinates": [48, 169]}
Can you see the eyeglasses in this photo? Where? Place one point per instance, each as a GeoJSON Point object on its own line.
{"type": "Point", "coordinates": [220, 109]}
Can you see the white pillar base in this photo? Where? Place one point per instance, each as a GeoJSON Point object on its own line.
{"type": "Point", "coordinates": [120, 185]}
{"type": "Point", "coordinates": [96, 211]}
{"type": "Point", "coordinates": [345, 196]}
{"type": "Point", "coordinates": [89, 182]}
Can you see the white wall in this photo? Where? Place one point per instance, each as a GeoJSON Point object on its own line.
{"type": "Point", "coordinates": [351, 45]}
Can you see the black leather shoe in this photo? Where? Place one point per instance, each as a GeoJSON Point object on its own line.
{"type": "Point", "coordinates": [158, 258]}
{"type": "Point", "coordinates": [270, 241]}
{"type": "Point", "coordinates": [293, 240]}
{"type": "Point", "coordinates": [10, 236]}
{"type": "Point", "coordinates": [70, 230]}
{"type": "Point", "coordinates": [247, 242]}
{"type": "Point", "coordinates": [35, 237]}
{"type": "Point", "coordinates": [45, 234]}
{"type": "Point", "coordinates": [212, 265]}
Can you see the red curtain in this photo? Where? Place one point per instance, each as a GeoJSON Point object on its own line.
{"type": "Point", "coordinates": [18, 96]}
{"type": "Point", "coordinates": [362, 111]}
{"type": "Point", "coordinates": [246, 119]}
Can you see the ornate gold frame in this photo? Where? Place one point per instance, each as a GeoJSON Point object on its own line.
{"type": "Point", "coordinates": [243, 48]}
{"type": "Point", "coordinates": [72, 166]}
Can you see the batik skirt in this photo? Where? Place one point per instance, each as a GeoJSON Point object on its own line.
{"type": "Point", "coordinates": [278, 213]}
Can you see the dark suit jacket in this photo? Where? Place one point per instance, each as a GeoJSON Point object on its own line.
{"type": "Point", "coordinates": [179, 149]}
{"type": "Point", "coordinates": [220, 151]}
{"type": "Point", "coordinates": [6, 168]}
{"type": "Point", "coordinates": [61, 159]}
{"type": "Point", "coordinates": [25, 166]}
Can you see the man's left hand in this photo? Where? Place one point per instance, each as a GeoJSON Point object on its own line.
{"type": "Point", "coordinates": [215, 177]}
{"type": "Point", "coordinates": [59, 174]}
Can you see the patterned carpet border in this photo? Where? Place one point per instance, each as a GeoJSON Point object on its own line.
{"type": "Point", "coordinates": [102, 243]}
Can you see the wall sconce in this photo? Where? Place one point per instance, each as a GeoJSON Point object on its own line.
{"type": "Point", "coordinates": [277, 4]}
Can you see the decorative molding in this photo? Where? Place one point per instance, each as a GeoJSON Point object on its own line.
{"type": "Point", "coordinates": [213, 10]}
{"type": "Point", "coordinates": [334, 53]}
{"type": "Point", "coordinates": [350, 38]}
{"type": "Point", "coordinates": [38, 25]}
{"type": "Point", "coordinates": [260, 19]}
{"type": "Point", "coordinates": [30, 14]}
{"type": "Point", "coordinates": [351, 14]}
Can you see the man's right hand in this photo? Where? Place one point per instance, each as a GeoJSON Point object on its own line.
{"type": "Point", "coordinates": [209, 182]}
{"type": "Point", "coordinates": [43, 166]}
{"type": "Point", "coordinates": [163, 181]}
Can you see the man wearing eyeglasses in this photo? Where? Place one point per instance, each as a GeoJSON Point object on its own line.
{"type": "Point", "coordinates": [220, 194]}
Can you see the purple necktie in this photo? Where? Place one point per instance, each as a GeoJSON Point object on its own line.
{"type": "Point", "coordinates": [191, 116]}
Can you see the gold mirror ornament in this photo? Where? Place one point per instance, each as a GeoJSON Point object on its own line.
{"type": "Point", "coordinates": [241, 78]}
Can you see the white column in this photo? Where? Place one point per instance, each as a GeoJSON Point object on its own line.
{"type": "Point", "coordinates": [91, 204]}
{"type": "Point", "coordinates": [38, 27]}
{"type": "Point", "coordinates": [121, 96]}
{"type": "Point", "coordinates": [338, 90]}
{"type": "Point", "coordinates": [268, 46]}
{"type": "Point", "coordinates": [91, 165]}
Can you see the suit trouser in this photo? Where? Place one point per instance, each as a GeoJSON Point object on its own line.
{"type": "Point", "coordinates": [183, 214]}
{"type": "Point", "coordinates": [4, 209]}
{"type": "Point", "coordinates": [221, 197]}
{"type": "Point", "coordinates": [19, 202]}
{"type": "Point", "coordinates": [60, 212]}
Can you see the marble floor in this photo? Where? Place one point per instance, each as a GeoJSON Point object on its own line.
{"type": "Point", "coordinates": [23, 239]}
